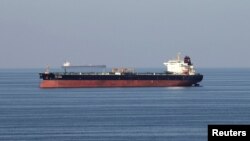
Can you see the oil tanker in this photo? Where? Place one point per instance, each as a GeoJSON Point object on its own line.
{"type": "Point", "coordinates": [179, 73]}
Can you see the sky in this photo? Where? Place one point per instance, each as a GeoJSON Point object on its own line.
{"type": "Point", "coordinates": [124, 33]}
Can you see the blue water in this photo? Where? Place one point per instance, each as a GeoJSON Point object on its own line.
{"type": "Point", "coordinates": [29, 113]}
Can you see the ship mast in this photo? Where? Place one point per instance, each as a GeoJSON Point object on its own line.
{"type": "Point", "coordinates": [47, 69]}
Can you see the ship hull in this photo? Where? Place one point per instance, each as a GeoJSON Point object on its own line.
{"type": "Point", "coordinates": [114, 83]}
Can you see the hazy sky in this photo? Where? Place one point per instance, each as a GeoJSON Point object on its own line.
{"type": "Point", "coordinates": [131, 33]}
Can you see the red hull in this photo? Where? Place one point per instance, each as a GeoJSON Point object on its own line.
{"type": "Point", "coordinates": [113, 83]}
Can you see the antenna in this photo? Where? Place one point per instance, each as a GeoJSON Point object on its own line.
{"type": "Point", "coordinates": [178, 56]}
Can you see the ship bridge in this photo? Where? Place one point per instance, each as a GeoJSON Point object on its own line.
{"type": "Point", "coordinates": [180, 66]}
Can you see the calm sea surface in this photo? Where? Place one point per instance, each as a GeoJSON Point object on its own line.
{"type": "Point", "coordinates": [29, 113]}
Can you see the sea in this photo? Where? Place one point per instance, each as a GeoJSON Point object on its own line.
{"type": "Point", "coordinates": [29, 113]}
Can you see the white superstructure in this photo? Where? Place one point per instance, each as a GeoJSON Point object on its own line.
{"type": "Point", "coordinates": [180, 66]}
